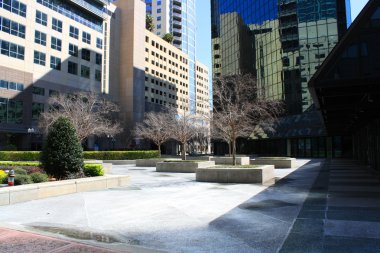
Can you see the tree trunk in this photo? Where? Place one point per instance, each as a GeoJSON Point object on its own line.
{"type": "Point", "coordinates": [234, 152]}
{"type": "Point", "coordinates": [159, 150]}
{"type": "Point", "coordinates": [229, 149]}
{"type": "Point", "coordinates": [184, 151]}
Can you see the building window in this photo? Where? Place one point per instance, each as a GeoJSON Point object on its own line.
{"type": "Point", "coordinates": [56, 43]}
{"type": "Point", "coordinates": [73, 50]}
{"type": "Point", "coordinates": [85, 71]}
{"type": "Point", "coordinates": [37, 109]}
{"type": "Point", "coordinates": [74, 32]}
{"type": "Point", "coordinates": [159, 18]}
{"type": "Point", "coordinates": [72, 68]}
{"type": "Point", "coordinates": [41, 18]}
{"type": "Point", "coordinates": [99, 43]}
{"type": "Point", "coordinates": [12, 50]}
{"type": "Point", "coordinates": [12, 27]}
{"type": "Point", "coordinates": [40, 38]}
{"type": "Point", "coordinates": [159, 10]}
{"type": "Point", "coordinates": [86, 37]}
{"type": "Point", "coordinates": [98, 59]}
{"type": "Point", "coordinates": [11, 85]}
{"type": "Point", "coordinates": [55, 63]}
{"type": "Point", "coordinates": [56, 25]}
{"type": "Point", "coordinates": [98, 75]}
{"type": "Point", "coordinates": [14, 6]}
{"type": "Point", "coordinates": [15, 111]}
{"type": "Point", "coordinates": [38, 91]}
{"type": "Point", "coordinates": [159, 26]}
{"type": "Point", "coordinates": [86, 54]}
{"type": "Point", "coordinates": [39, 58]}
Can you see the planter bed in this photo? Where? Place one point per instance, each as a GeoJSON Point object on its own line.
{"type": "Point", "coordinates": [240, 160]}
{"type": "Point", "coordinates": [153, 162]}
{"type": "Point", "coordinates": [121, 162]}
{"type": "Point", "coordinates": [22, 193]}
{"type": "Point", "coordinates": [183, 166]}
{"type": "Point", "coordinates": [257, 174]}
{"type": "Point", "coordinates": [278, 162]}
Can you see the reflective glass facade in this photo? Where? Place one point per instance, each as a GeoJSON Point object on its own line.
{"type": "Point", "coordinates": [282, 42]}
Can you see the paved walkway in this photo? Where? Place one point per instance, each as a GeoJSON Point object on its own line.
{"type": "Point", "coordinates": [329, 208]}
{"type": "Point", "coordinates": [26, 242]}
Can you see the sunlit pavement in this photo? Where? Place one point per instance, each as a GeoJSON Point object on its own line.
{"type": "Point", "coordinates": [172, 212]}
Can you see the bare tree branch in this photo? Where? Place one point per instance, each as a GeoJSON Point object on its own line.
{"type": "Point", "coordinates": [90, 114]}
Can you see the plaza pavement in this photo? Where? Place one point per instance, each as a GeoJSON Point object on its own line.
{"type": "Point", "coordinates": [316, 208]}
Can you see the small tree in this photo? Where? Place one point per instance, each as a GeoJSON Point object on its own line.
{"type": "Point", "coordinates": [155, 128]}
{"type": "Point", "coordinates": [149, 23]}
{"type": "Point", "coordinates": [90, 114]}
{"type": "Point", "coordinates": [183, 128]}
{"type": "Point", "coordinates": [62, 153]}
{"type": "Point", "coordinates": [240, 110]}
{"type": "Point", "coordinates": [168, 37]}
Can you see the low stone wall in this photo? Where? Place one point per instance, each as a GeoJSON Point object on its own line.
{"type": "Point", "coordinates": [228, 160]}
{"type": "Point", "coordinates": [183, 167]}
{"type": "Point", "coordinates": [121, 162]}
{"type": "Point", "coordinates": [236, 175]}
{"type": "Point", "coordinates": [153, 162]}
{"type": "Point", "coordinates": [277, 162]}
{"type": "Point", "coordinates": [22, 193]}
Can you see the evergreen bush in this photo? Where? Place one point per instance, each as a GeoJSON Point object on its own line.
{"type": "Point", "coordinates": [62, 153]}
{"type": "Point", "coordinates": [93, 170]}
{"type": "Point", "coordinates": [39, 177]}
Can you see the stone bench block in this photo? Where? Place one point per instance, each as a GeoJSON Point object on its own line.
{"type": "Point", "coordinates": [236, 175]}
{"type": "Point", "coordinates": [241, 160]}
{"type": "Point", "coordinates": [183, 167]}
{"type": "Point", "coordinates": [277, 162]}
{"type": "Point", "coordinates": [153, 162]}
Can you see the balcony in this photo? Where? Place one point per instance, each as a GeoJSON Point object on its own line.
{"type": "Point", "coordinates": [177, 24]}
{"type": "Point", "coordinates": [177, 17]}
{"type": "Point", "coordinates": [177, 2]}
{"type": "Point", "coordinates": [177, 9]}
{"type": "Point", "coordinates": [90, 8]}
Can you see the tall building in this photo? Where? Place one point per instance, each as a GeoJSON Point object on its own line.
{"type": "Point", "coordinates": [178, 18]}
{"type": "Point", "coordinates": [49, 46]}
{"type": "Point", "coordinates": [283, 43]}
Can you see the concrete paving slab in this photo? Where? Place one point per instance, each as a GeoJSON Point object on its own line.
{"type": "Point", "coordinates": [358, 229]}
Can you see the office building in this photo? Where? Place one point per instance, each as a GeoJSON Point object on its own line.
{"type": "Point", "coordinates": [346, 87]}
{"type": "Point", "coordinates": [49, 46]}
{"type": "Point", "coordinates": [283, 43]}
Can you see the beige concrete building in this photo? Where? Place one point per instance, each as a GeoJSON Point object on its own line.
{"type": "Point", "coordinates": [47, 47]}
{"type": "Point", "coordinates": [203, 105]}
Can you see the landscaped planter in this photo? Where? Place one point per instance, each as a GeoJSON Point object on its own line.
{"type": "Point", "coordinates": [240, 160]}
{"type": "Point", "coordinates": [121, 162]}
{"type": "Point", "coordinates": [153, 162]}
{"type": "Point", "coordinates": [258, 174]}
{"type": "Point", "coordinates": [22, 193]}
{"type": "Point", "coordinates": [183, 166]}
{"type": "Point", "coordinates": [278, 162]}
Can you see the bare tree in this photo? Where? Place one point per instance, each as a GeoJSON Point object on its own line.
{"type": "Point", "coordinates": [155, 128]}
{"type": "Point", "coordinates": [183, 128]}
{"type": "Point", "coordinates": [239, 111]}
{"type": "Point", "coordinates": [90, 113]}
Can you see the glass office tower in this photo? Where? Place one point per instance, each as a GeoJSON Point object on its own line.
{"type": "Point", "coordinates": [281, 42]}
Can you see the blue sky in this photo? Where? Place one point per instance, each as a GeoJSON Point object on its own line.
{"type": "Point", "coordinates": [204, 28]}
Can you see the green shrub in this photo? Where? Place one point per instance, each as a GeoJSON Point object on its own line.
{"type": "Point", "coordinates": [121, 155]}
{"type": "Point", "coordinates": [19, 155]}
{"type": "Point", "coordinates": [22, 179]}
{"type": "Point", "coordinates": [19, 171]}
{"type": "Point", "coordinates": [9, 163]}
{"type": "Point", "coordinates": [39, 177]}
{"type": "Point", "coordinates": [3, 176]}
{"type": "Point", "coordinates": [93, 170]}
{"type": "Point", "coordinates": [62, 154]}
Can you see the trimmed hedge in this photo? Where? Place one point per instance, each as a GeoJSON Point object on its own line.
{"type": "Point", "coordinates": [121, 155]}
{"type": "Point", "coordinates": [93, 170]}
{"type": "Point", "coordinates": [97, 155]}
{"type": "Point", "coordinates": [19, 155]}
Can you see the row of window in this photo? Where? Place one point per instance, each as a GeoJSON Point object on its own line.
{"type": "Point", "coordinates": [14, 6]}
{"type": "Point", "coordinates": [163, 49]}
{"type": "Point", "coordinates": [12, 27]}
{"type": "Point", "coordinates": [11, 85]}
{"type": "Point", "coordinates": [12, 50]}
{"type": "Point", "coordinates": [11, 111]}
{"type": "Point", "coordinates": [163, 102]}
{"type": "Point", "coordinates": [56, 24]}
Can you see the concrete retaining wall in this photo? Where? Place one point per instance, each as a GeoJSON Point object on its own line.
{"type": "Point", "coordinates": [278, 163]}
{"type": "Point", "coordinates": [121, 162]}
{"type": "Point", "coordinates": [22, 193]}
{"type": "Point", "coordinates": [236, 175]}
{"type": "Point", "coordinates": [183, 167]}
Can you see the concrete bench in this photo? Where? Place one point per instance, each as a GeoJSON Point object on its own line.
{"type": "Point", "coordinates": [240, 160]}
{"type": "Point", "coordinates": [259, 174]}
{"type": "Point", "coordinates": [278, 162]}
{"type": "Point", "coordinates": [153, 162]}
{"type": "Point", "coordinates": [183, 166]}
